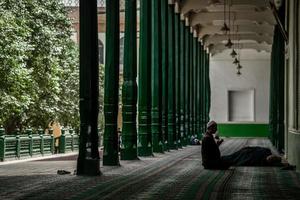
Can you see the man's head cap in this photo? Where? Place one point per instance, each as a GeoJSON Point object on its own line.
{"type": "Point", "coordinates": [211, 123]}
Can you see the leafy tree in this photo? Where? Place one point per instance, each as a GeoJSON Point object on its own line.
{"type": "Point", "coordinates": [38, 65]}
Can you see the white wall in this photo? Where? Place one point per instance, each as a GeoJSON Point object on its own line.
{"type": "Point", "coordinates": [255, 75]}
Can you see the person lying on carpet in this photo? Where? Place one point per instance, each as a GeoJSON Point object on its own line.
{"type": "Point", "coordinates": [247, 156]}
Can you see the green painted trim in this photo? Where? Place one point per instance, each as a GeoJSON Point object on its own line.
{"type": "Point", "coordinates": [243, 130]}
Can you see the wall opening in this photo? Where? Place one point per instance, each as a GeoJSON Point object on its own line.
{"type": "Point", "coordinates": [241, 105]}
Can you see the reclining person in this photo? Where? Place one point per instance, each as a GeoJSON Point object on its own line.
{"type": "Point", "coordinates": [247, 156]}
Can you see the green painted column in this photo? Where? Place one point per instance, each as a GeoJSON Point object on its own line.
{"type": "Point", "coordinates": [164, 68]}
{"type": "Point", "coordinates": [182, 84]}
{"type": "Point", "coordinates": [88, 162]}
{"type": "Point", "coordinates": [196, 87]}
{"type": "Point", "coordinates": [129, 89]}
{"type": "Point", "coordinates": [202, 90]}
{"type": "Point", "coordinates": [187, 83]}
{"type": "Point", "coordinates": [207, 88]}
{"type": "Point", "coordinates": [177, 79]}
{"type": "Point", "coordinates": [199, 91]}
{"type": "Point", "coordinates": [194, 83]}
{"type": "Point", "coordinates": [277, 89]}
{"type": "Point", "coordinates": [111, 88]}
{"type": "Point", "coordinates": [144, 86]}
{"type": "Point", "coordinates": [191, 80]}
{"type": "Point", "coordinates": [171, 80]}
{"type": "Point", "coordinates": [156, 112]}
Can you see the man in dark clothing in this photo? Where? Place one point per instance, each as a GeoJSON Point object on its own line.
{"type": "Point", "coordinates": [211, 156]}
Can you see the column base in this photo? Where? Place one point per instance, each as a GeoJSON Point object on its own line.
{"type": "Point", "coordinates": [179, 144]}
{"type": "Point", "coordinates": [145, 151]}
{"type": "Point", "coordinates": [111, 160]}
{"type": "Point", "coordinates": [183, 142]}
{"type": "Point", "coordinates": [159, 148]}
{"type": "Point", "coordinates": [129, 154]}
{"type": "Point", "coordinates": [91, 167]}
{"type": "Point", "coordinates": [173, 146]}
{"type": "Point", "coordinates": [188, 139]}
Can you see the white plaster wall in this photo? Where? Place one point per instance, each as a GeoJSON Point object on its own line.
{"type": "Point", "coordinates": [255, 75]}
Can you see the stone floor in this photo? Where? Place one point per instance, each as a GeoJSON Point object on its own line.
{"type": "Point", "coordinates": [172, 175]}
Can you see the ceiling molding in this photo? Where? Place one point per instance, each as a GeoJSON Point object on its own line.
{"type": "Point", "coordinates": [209, 17]}
{"type": "Point", "coordinates": [219, 48]}
{"type": "Point", "coordinates": [215, 39]}
{"type": "Point", "coordinates": [196, 5]}
{"type": "Point", "coordinates": [260, 29]}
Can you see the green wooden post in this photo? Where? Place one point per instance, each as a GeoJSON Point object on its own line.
{"type": "Point", "coordinates": [156, 114]}
{"type": "Point", "coordinates": [177, 58]}
{"type": "Point", "coordinates": [111, 90]}
{"type": "Point", "coordinates": [182, 84]}
{"type": "Point", "coordinates": [88, 162]}
{"type": "Point", "coordinates": [40, 132]}
{"type": "Point", "coordinates": [18, 146]}
{"type": "Point", "coordinates": [29, 133]}
{"type": "Point", "coordinates": [199, 91]}
{"type": "Point", "coordinates": [164, 69]}
{"type": "Point", "coordinates": [197, 132]}
{"type": "Point", "coordinates": [207, 87]}
{"type": "Point", "coordinates": [2, 144]}
{"type": "Point", "coordinates": [196, 88]}
{"type": "Point", "coordinates": [62, 141]}
{"type": "Point", "coordinates": [171, 81]}
{"type": "Point", "coordinates": [52, 141]}
{"type": "Point", "coordinates": [72, 133]}
{"type": "Point", "coordinates": [187, 83]}
{"type": "Point", "coordinates": [195, 85]}
{"type": "Point", "coordinates": [191, 88]}
{"type": "Point", "coordinates": [192, 85]}
{"type": "Point", "coordinates": [129, 93]}
{"type": "Point", "coordinates": [203, 90]}
{"type": "Point", "coordinates": [144, 99]}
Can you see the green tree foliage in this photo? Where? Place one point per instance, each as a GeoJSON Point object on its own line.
{"type": "Point", "coordinates": [38, 65]}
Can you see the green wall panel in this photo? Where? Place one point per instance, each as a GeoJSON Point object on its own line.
{"type": "Point", "coordinates": [243, 130]}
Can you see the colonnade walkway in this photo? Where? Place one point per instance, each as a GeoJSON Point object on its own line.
{"type": "Point", "coordinates": [172, 175]}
